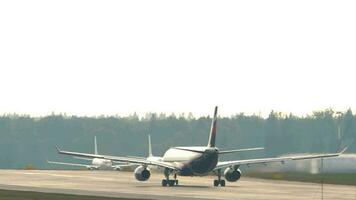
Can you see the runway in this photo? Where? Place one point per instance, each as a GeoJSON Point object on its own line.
{"type": "Point", "coordinates": [123, 184]}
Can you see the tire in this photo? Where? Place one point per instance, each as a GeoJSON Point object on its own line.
{"type": "Point", "coordinates": [164, 183]}
{"type": "Point", "coordinates": [171, 183]}
{"type": "Point", "coordinates": [222, 183]}
{"type": "Point", "coordinates": [176, 182]}
{"type": "Point", "coordinates": [216, 183]}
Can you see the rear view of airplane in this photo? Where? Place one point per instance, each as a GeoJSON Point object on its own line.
{"type": "Point", "coordinates": [195, 161]}
{"type": "Point", "coordinates": [96, 163]}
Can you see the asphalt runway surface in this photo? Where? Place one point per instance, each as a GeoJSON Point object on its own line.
{"type": "Point", "coordinates": [123, 184]}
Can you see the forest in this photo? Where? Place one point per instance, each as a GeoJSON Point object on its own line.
{"type": "Point", "coordinates": [30, 141]}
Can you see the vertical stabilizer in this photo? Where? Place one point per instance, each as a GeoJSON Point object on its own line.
{"type": "Point", "coordinates": [149, 147]}
{"type": "Point", "coordinates": [212, 136]}
{"type": "Point", "coordinates": [95, 146]}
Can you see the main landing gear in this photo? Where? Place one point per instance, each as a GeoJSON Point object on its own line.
{"type": "Point", "coordinates": [167, 181]}
{"type": "Point", "coordinates": [219, 181]}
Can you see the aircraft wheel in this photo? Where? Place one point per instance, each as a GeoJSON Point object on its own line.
{"type": "Point", "coordinates": [164, 182]}
{"type": "Point", "coordinates": [171, 183]}
{"type": "Point", "coordinates": [222, 183]}
{"type": "Point", "coordinates": [216, 183]}
{"type": "Point", "coordinates": [176, 182]}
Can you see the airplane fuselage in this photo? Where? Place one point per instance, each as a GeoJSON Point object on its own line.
{"type": "Point", "coordinates": [192, 161]}
{"type": "Point", "coordinates": [102, 163]}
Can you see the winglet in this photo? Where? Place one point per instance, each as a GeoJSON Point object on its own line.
{"type": "Point", "coordinates": [58, 149]}
{"type": "Point", "coordinates": [343, 150]}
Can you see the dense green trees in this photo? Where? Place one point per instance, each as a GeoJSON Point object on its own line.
{"type": "Point", "coordinates": [25, 140]}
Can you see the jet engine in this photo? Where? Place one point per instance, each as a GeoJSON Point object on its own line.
{"type": "Point", "coordinates": [142, 173]}
{"type": "Point", "coordinates": [117, 168]}
{"type": "Point", "coordinates": [232, 175]}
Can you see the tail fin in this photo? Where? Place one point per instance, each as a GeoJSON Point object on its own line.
{"type": "Point", "coordinates": [212, 136]}
{"type": "Point", "coordinates": [95, 146]}
{"type": "Point", "coordinates": [150, 154]}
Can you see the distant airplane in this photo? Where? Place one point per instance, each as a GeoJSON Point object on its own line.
{"type": "Point", "coordinates": [195, 161]}
{"type": "Point", "coordinates": [96, 163]}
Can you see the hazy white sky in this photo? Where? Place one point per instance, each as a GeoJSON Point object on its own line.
{"type": "Point", "coordinates": [117, 57]}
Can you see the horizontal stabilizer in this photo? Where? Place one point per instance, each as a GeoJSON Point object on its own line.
{"type": "Point", "coordinates": [241, 150]}
{"type": "Point", "coordinates": [191, 150]}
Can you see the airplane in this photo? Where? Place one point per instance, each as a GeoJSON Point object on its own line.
{"type": "Point", "coordinates": [153, 158]}
{"type": "Point", "coordinates": [96, 163]}
{"type": "Point", "coordinates": [195, 161]}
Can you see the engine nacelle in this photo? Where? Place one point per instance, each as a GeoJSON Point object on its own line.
{"type": "Point", "coordinates": [142, 173]}
{"type": "Point", "coordinates": [117, 168]}
{"type": "Point", "coordinates": [232, 175]}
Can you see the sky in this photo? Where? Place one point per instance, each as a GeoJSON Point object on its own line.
{"type": "Point", "coordinates": [93, 58]}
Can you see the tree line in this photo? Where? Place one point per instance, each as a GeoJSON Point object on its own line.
{"type": "Point", "coordinates": [27, 140]}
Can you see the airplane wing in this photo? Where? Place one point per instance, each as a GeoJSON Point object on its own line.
{"type": "Point", "coordinates": [90, 159]}
{"type": "Point", "coordinates": [71, 164]}
{"type": "Point", "coordinates": [142, 161]}
{"type": "Point", "coordinates": [124, 165]}
{"type": "Point", "coordinates": [233, 163]}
